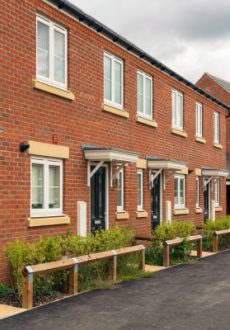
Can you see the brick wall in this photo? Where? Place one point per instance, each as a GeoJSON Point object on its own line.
{"type": "Point", "coordinates": [29, 114]}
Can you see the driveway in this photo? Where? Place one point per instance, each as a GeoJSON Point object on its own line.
{"type": "Point", "coordinates": [182, 297]}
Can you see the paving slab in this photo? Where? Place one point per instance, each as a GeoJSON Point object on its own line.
{"type": "Point", "coordinates": [184, 297]}
{"type": "Point", "coordinates": [204, 254]}
{"type": "Point", "coordinates": [6, 310]}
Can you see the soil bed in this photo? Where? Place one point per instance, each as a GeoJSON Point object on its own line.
{"type": "Point", "coordinates": [11, 300]}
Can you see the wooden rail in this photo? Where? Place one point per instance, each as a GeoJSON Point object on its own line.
{"type": "Point", "coordinates": [174, 242]}
{"type": "Point", "coordinates": [145, 237]}
{"type": "Point", "coordinates": [216, 234]}
{"type": "Point", "coordinates": [71, 284]}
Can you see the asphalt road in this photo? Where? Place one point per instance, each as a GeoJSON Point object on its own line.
{"type": "Point", "coordinates": [182, 297]}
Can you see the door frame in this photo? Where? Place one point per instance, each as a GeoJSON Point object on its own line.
{"type": "Point", "coordinates": [209, 194]}
{"type": "Point", "coordinates": [161, 193]}
{"type": "Point", "coordinates": [106, 195]}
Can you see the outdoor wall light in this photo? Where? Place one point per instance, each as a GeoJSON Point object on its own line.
{"type": "Point", "coordinates": [2, 129]}
{"type": "Point", "coordinates": [23, 147]}
{"type": "Point", "coordinates": [190, 171]}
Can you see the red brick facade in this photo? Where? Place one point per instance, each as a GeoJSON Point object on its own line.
{"type": "Point", "coordinates": [30, 114]}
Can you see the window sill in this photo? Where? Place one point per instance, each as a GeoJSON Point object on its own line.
{"type": "Point", "coordinates": [180, 211]}
{"type": "Point", "coordinates": [53, 90]}
{"type": "Point", "coordinates": [199, 139]}
{"type": "Point", "coordinates": [121, 215]}
{"type": "Point", "coordinates": [114, 111]}
{"type": "Point", "coordinates": [146, 121]}
{"type": "Point", "coordinates": [141, 214]}
{"type": "Point", "coordinates": [38, 222]}
{"type": "Point", "coordinates": [178, 132]}
{"type": "Point", "coordinates": [218, 209]}
{"type": "Point", "coordinates": [198, 210]}
{"type": "Point", "coordinates": [217, 145]}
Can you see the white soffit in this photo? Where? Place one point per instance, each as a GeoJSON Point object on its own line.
{"type": "Point", "coordinates": [165, 164]}
{"type": "Point", "coordinates": [109, 155]}
{"type": "Point", "coordinates": [215, 173]}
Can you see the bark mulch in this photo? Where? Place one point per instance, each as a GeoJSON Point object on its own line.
{"type": "Point", "coordinates": [12, 300]}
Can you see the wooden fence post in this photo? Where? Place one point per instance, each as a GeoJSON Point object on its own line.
{"type": "Point", "coordinates": [215, 242]}
{"type": "Point", "coordinates": [27, 289]}
{"type": "Point", "coordinates": [113, 267]}
{"type": "Point", "coordinates": [166, 254]}
{"type": "Point", "coordinates": [73, 278]}
{"type": "Point", "coordinates": [142, 262]}
{"type": "Point", "coordinates": [199, 248]}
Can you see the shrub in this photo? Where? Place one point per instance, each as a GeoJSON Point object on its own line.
{"type": "Point", "coordinates": [210, 226]}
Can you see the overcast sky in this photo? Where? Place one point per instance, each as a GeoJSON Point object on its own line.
{"type": "Point", "coordinates": [189, 36]}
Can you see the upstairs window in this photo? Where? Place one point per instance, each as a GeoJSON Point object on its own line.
{"type": "Point", "coordinates": [120, 191]}
{"type": "Point", "coordinates": [179, 191]}
{"type": "Point", "coordinates": [46, 187]}
{"type": "Point", "coordinates": [113, 81]}
{"type": "Point", "coordinates": [197, 192]}
{"type": "Point", "coordinates": [216, 127]}
{"type": "Point", "coordinates": [198, 119]}
{"type": "Point", "coordinates": [217, 193]}
{"type": "Point", "coordinates": [177, 109]}
{"type": "Point", "coordinates": [139, 190]}
{"type": "Point", "coordinates": [144, 95]}
{"type": "Point", "coordinates": [51, 53]}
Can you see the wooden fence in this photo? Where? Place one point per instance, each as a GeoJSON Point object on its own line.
{"type": "Point", "coordinates": [71, 285]}
{"type": "Point", "coordinates": [216, 234]}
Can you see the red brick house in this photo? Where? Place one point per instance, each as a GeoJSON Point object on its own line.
{"type": "Point", "coordinates": [97, 131]}
{"type": "Point", "coordinates": [220, 89]}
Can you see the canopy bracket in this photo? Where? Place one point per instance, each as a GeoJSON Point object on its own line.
{"type": "Point", "coordinates": [113, 175]}
{"type": "Point", "coordinates": [90, 174]}
{"type": "Point", "coordinates": [152, 177]}
{"type": "Point", "coordinates": [206, 183]}
{"type": "Point", "coordinates": [169, 177]}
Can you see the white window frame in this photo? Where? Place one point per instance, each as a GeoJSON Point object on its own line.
{"type": "Point", "coordinates": [199, 119]}
{"type": "Point", "coordinates": [197, 192]}
{"type": "Point", "coordinates": [112, 102]}
{"type": "Point", "coordinates": [217, 193]}
{"type": "Point", "coordinates": [177, 94]}
{"type": "Point", "coordinates": [46, 211]}
{"type": "Point", "coordinates": [216, 127]}
{"type": "Point", "coordinates": [179, 206]}
{"type": "Point", "coordinates": [143, 114]}
{"type": "Point", "coordinates": [52, 26]}
{"type": "Point", "coordinates": [140, 207]}
{"type": "Point", "coordinates": [121, 208]}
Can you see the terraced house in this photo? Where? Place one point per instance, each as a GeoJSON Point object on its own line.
{"type": "Point", "coordinates": [96, 131]}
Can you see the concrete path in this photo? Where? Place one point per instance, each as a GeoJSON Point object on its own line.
{"type": "Point", "coordinates": [6, 310]}
{"type": "Point", "coordinates": [182, 297]}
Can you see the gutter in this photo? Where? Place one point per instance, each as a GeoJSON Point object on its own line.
{"type": "Point", "coordinates": [129, 46]}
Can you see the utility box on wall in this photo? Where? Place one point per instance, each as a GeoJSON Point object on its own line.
{"type": "Point", "coordinates": [81, 219]}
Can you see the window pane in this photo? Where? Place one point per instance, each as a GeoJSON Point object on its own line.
{"type": "Point", "coordinates": [174, 107]}
{"type": "Point", "coordinates": [181, 191]}
{"type": "Point", "coordinates": [180, 111]}
{"type": "Point", "coordinates": [200, 121]}
{"type": "Point", "coordinates": [148, 96]}
{"type": "Point", "coordinates": [54, 187]}
{"type": "Point", "coordinates": [197, 192]}
{"type": "Point", "coordinates": [176, 191]}
{"type": "Point", "coordinates": [42, 49]}
{"type": "Point", "coordinates": [118, 83]}
{"type": "Point", "coordinates": [139, 189]}
{"type": "Point", "coordinates": [139, 93]}
{"type": "Point", "coordinates": [37, 186]}
{"type": "Point", "coordinates": [107, 78]}
{"type": "Point", "coordinates": [59, 57]}
{"type": "Point", "coordinates": [119, 190]}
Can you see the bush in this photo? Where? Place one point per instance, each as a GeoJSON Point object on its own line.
{"type": "Point", "coordinates": [210, 226]}
{"type": "Point", "coordinates": [48, 249]}
{"type": "Point", "coordinates": [5, 290]}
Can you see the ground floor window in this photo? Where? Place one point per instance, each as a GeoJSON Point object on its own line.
{"type": "Point", "coordinates": [139, 190]}
{"type": "Point", "coordinates": [120, 191]}
{"type": "Point", "coordinates": [217, 193]}
{"type": "Point", "coordinates": [197, 192]}
{"type": "Point", "coordinates": [179, 191]}
{"type": "Point", "coordinates": [46, 187]}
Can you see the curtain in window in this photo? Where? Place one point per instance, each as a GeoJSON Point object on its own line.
{"type": "Point", "coordinates": [197, 192]}
{"type": "Point", "coordinates": [148, 96]}
{"type": "Point", "coordinates": [37, 186]}
{"type": "Point", "coordinates": [59, 57]}
{"type": "Point", "coordinates": [54, 186]}
{"type": "Point", "coordinates": [108, 78]}
{"type": "Point", "coordinates": [139, 184]}
{"type": "Point", "coordinates": [42, 49]}
{"type": "Point", "coordinates": [139, 93]}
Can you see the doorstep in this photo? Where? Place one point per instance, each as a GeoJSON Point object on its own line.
{"type": "Point", "coordinates": [204, 254]}
{"type": "Point", "coordinates": [6, 311]}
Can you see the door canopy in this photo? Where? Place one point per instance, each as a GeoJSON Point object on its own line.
{"type": "Point", "coordinates": [213, 175]}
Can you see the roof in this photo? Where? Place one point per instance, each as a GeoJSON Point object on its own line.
{"type": "Point", "coordinates": [85, 147]}
{"type": "Point", "coordinates": [152, 159]}
{"type": "Point", "coordinates": [223, 83]}
{"type": "Point", "coordinates": [101, 28]}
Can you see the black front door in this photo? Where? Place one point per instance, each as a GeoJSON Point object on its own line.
{"type": "Point", "coordinates": [155, 203]}
{"type": "Point", "coordinates": [97, 187]}
{"type": "Point", "coordinates": [206, 203]}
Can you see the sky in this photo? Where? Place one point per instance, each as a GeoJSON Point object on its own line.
{"type": "Point", "coordinates": [189, 36]}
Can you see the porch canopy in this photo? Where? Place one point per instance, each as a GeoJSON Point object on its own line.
{"type": "Point", "coordinates": [213, 175]}
{"type": "Point", "coordinates": [113, 156]}
{"type": "Point", "coordinates": [160, 165]}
